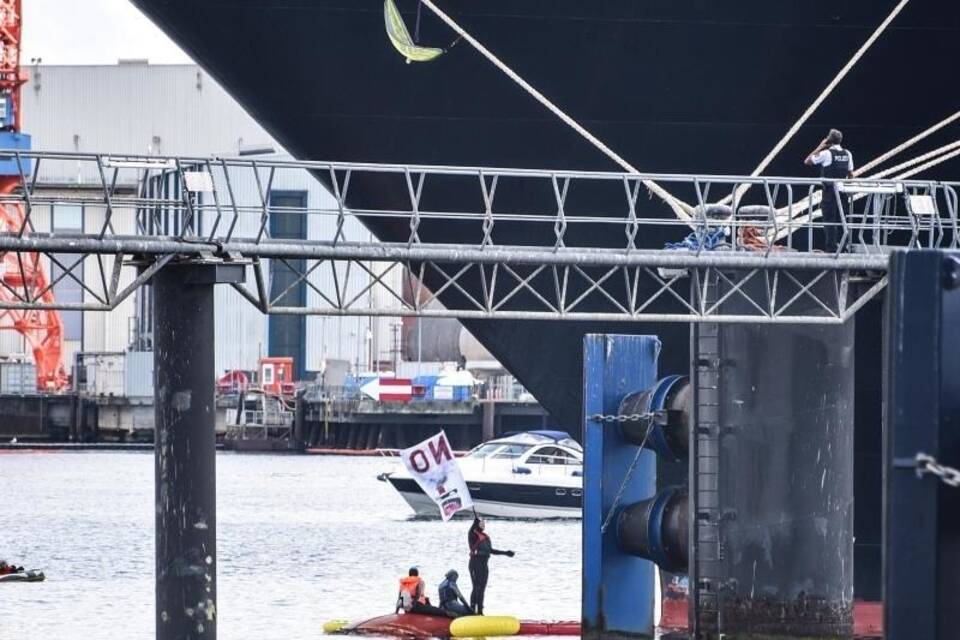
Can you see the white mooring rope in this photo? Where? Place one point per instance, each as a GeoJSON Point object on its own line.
{"type": "Point", "coordinates": [819, 100]}
{"type": "Point", "coordinates": [909, 143]}
{"type": "Point", "coordinates": [912, 161]}
{"type": "Point", "coordinates": [683, 210]}
{"type": "Point", "coordinates": [927, 165]}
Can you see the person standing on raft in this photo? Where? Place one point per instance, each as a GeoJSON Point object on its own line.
{"type": "Point", "coordinates": [480, 551]}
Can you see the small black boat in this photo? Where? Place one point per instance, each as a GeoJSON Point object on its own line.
{"type": "Point", "coordinates": [33, 575]}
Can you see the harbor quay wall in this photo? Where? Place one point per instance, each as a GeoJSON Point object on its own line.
{"type": "Point", "coordinates": [363, 424]}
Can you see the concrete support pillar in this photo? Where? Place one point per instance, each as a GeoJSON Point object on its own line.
{"type": "Point", "coordinates": [75, 426]}
{"type": "Point", "coordinates": [300, 435]}
{"type": "Point", "coordinates": [774, 503]}
{"type": "Point", "coordinates": [489, 420]}
{"type": "Point", "coordinates": [184, 387]}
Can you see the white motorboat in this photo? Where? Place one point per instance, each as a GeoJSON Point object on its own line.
{"type": "Point", "coordinates": [533, 474]}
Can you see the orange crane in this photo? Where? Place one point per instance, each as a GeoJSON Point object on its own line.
{"type": "Point", "coordinates": [22, 275]}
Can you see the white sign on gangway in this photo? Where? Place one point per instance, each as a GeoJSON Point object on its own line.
{"type": "Point", "coordinates": [433, 465]}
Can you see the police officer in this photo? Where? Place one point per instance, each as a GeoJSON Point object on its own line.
{"type": "Point", "coordinates": [836, 163]}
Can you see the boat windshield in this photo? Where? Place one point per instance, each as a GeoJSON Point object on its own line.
{"type": "Point", "coordinates": [554, 456]}
{"type": "Point", "coordinates": [499, 450]}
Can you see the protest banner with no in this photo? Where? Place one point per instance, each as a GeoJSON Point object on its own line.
{"type": "Point", "coordinates": [433, 465]}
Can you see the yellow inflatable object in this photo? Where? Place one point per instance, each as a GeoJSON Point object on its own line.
{"type": "Point", "coordinates": [400, 37]}
{"type": "Point", "coordinates": [480, 626]}
{"type": "Point", "coordinates": [334, 625]}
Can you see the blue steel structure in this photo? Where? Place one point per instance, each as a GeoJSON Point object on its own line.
{"type": "Point", "coordinates": [618, 588]}
{"type": "Point", "coordinates": [655, 402]}
{"type": "Point", "coordinates": [9, 164]}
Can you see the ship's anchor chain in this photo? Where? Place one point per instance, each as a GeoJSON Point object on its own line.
{"type": "Point", "coordinates": [927, 464]}
{"type": "Point", "coordinates": [633, 417]}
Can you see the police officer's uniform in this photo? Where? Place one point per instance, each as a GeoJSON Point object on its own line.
{"type": "Point", "coordinates": [836, 163]}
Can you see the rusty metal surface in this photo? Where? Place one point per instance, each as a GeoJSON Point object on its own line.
{"type": "Point", "coordinates": [786, 481]}
{"type": "Point", "coordinates": [797, 619]}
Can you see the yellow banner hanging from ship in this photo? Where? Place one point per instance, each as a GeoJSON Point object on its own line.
{"type": "Point", "coordinates": [400, 37]}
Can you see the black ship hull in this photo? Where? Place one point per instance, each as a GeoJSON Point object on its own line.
{"type": "Point", "coordinates": [673, 85]}
{"type": "Point", "coordinates": [692, 86]}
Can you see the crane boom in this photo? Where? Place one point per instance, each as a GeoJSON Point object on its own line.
{"type": "Point", "coordinates": [23, 276]}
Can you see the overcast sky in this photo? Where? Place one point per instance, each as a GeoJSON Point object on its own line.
{"type": "Point", "coordinates": [92, 32]}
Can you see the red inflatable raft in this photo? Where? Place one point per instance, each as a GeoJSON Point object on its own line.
{"type": "Point", "coordinates": [405, 625]}
{"type": "Point", "coordinates": [414, 625]}
{"type": "Point", "coordinates": [531, 628]}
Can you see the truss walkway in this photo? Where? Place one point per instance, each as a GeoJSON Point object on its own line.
{"type": "Point", "coordinates": [471, 242]}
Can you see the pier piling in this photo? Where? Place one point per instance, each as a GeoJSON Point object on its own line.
{"type": "Point", "coordinates": [922, 448]}
{"type": "Point", "coordinates": [618, 587]}
{"type": "Point", "coordinates": [186, 557]}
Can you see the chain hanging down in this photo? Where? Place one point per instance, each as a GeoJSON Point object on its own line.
{"type": "Point", "coordinates": [634, 417]}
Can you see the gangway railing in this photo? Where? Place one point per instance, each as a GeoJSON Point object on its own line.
{"type": "Point", "coordinates": [485, 242]}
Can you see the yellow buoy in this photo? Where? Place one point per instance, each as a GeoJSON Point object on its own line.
{"type": "Point", "coordinates": [334, 625]}
{"type": "Point", "coordinates": [480, 626]}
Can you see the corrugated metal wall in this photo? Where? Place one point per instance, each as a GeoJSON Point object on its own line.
{"type": "Point", "coordinates": [134, 108]}
{"type": "Point", "coordinates": [180, 110]}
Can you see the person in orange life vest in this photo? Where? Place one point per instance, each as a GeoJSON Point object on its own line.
{"type": "Point", "coordinates": [480, 551]}
{"type": "Point", "coordinates": [413, 596]}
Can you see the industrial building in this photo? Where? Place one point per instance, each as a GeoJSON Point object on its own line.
{"type": "Point", "coordinates": [180, 111]}
{"type": "Point", "coordinates": [183, 112]}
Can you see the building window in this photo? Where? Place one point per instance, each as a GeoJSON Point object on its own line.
{"type": "Point", "coordinates": [68, 219]}
{"type": "Point", "coordinates": [288, 333]}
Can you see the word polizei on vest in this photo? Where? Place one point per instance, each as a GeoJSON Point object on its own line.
{"type": "Point", "coordinates": [839, 165]}
{"type": "Point", "coordinates": [433, 465]}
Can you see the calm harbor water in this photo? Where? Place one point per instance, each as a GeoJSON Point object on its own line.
{"type": "Point", "coordinates": [301, 540]}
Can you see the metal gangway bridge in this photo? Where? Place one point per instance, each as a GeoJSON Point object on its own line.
{"type": "Point", "coordinates": [579, 260]}
{"type": "Point", "coordinates": [463, 242]}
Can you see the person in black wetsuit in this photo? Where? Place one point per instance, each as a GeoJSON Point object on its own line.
{"type": "Point", "coordinates": [480, 551]}
{"type": "Point", "coordinates": [451, 600]}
